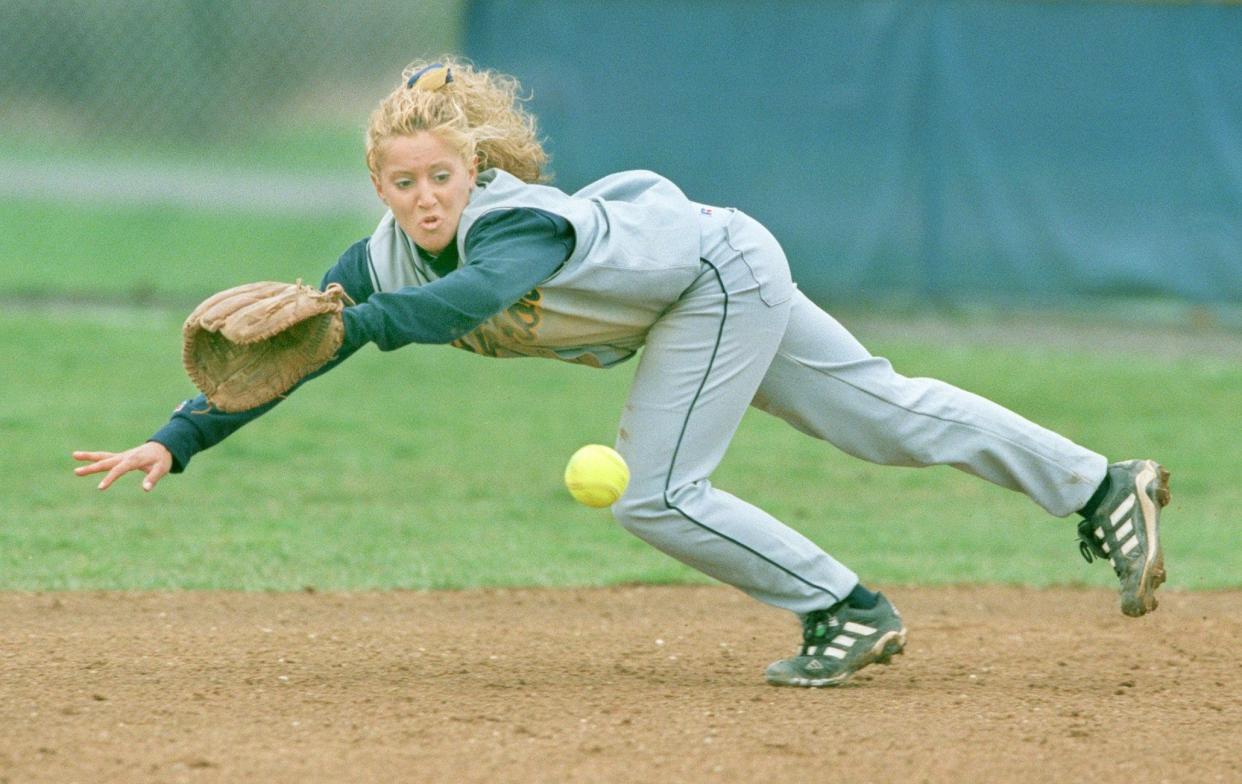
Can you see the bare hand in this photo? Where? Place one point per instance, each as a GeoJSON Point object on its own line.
{"type": "Point", "coordinates": [152, 458]}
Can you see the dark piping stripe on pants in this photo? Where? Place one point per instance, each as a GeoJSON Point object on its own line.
{"type": "Point", "coordinates": [668, 480]}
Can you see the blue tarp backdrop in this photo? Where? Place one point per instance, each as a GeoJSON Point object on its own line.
{"type": "Point", "coordinates": [954, 150]}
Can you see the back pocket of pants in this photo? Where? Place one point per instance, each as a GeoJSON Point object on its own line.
{"type": "Point", "coordinates": [763, 256]}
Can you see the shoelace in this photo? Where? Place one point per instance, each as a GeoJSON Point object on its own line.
{"type": "Point", "coordinates": [1085, 549]}
{"type": "Point", "coordinates": [1090, 547]}
{"type": "Point", "coordinates": [818, 627]}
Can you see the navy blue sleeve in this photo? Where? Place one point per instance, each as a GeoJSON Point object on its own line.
{"type": "Point", "coordinates": [508, 253]}
{"type": "Point", "coordinates": [197, 425]}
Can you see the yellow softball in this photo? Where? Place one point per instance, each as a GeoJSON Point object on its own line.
{"type": "Point", "coordinates": [596, 476]}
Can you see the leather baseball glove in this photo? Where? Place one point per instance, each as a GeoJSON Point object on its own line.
{"type": "Point", "coordinates": [252, 343]}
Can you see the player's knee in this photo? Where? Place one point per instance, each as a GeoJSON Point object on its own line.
{"type": "Point", "coordinates": [639, 510]}
{"type": "Point", "coordinates": [635, 510]}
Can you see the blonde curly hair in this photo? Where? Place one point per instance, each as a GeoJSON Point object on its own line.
{"type": "Point", "coordinates": [477, 111]}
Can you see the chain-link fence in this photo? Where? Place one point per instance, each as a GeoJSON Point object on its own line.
{"type": "Point", "coordinates": [152, 68]}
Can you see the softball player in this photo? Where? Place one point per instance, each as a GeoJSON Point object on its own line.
{"type": "Point", "coordinates": [473, 251]}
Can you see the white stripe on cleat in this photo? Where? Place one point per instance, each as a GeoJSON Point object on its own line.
{"type": "Point", "coordinates": [1122, 510]}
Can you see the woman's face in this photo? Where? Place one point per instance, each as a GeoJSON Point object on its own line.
{"type": "Point", "coordinates": [426, 184]}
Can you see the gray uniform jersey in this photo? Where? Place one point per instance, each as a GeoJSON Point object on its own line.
{"type": "Point", "coordinates": [636, 250]}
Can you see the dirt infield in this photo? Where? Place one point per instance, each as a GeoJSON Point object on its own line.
{"type": "Point", "coordinates": [618, 685]}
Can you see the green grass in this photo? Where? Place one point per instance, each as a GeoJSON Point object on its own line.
{"type": "Point", "coordinates": [176, 254]}
{"type": "Point", "coordinates": [432, 468]}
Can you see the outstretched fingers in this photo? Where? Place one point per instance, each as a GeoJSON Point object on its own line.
{"type": "Point", "coordinates": [81, 455]}
{"type": "Point", "coordinates": [99, 461]}
{"type": "Point", "coordinates": [151, 458]}
{"type": "Point", "coordinates": [121, 468]}
{"type": "Point", "coordinates": [155, 474]}
{"type": "Point", "coordinates": [116, 466]}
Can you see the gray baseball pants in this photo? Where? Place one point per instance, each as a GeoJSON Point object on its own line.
{"type": "Point", "coordinates": [741, 335]}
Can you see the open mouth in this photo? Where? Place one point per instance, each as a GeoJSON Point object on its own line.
{"type": "Point", "coordinates": [430, 223]}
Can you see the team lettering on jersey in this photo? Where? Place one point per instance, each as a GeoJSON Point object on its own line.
{"type": "Point", "coordinates": [506, 333]}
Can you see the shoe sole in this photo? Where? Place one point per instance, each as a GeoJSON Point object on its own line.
{"type": "Point", "coordinates": [891, 644]}
{"type": "Point", "coordinates": [1151, 488]}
